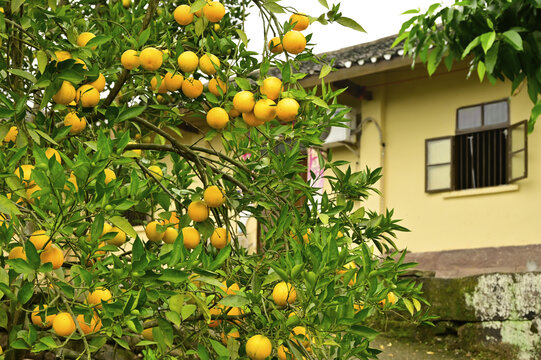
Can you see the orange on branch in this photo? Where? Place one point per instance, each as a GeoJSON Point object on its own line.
{"type": "Point", "coordinates": [92, 327]}
{"type": "Point", "coordinates": [50, 152]}
{"type": "Point", "coordinates": [154, 84]}
{"type": "Point", "coordinates": [191, 237]}
{"type": "Point", "coordinates": [173, 82]}
{"type": "Point", "coordinates": [214, 196]}
{"type": "Point", "coordinates": [87, 96]}
{"type": "Point", "coordinates": [77, 124]}
{"type": "Point", "coordinates": [215, 84]}
{"type": "Point", "coordinates": [275, 45]}
{"type": "Point", "coordinates": [217, 118]}
{"type": "Point", "coordinates": [170, 235]}
{"type": "Point", "coordinates": [220, 238]}
{"type": "Point", "coordinates": [99, 83]}
{"type": "Point", "coordinates": [11, 136]}
{"type": "Point", "coordinates": [183, 15]}
{"type": "Point", "coordinates": [151, 58]}
{"type": "Point", "coordinates": [272, 87]}
{"type": "Point", "coordinates": [192, 88]}
{"type": "Point", "coordinates": [188, 61]}
{"type": "Point", "coordinates": [198, 211]}
{"type": "Point", "coordinates": [294, 42]}
{"type": "Point", "coordinates": [244, 101]}
{"type": "Point", "coordinates": [258, 347]}
{"type": "Point", "coordinates": [40, 240]}
{"type": "Point", "coordinates": [84, 38]}
{"type": "Point", "coordinates": [63, 324]}
{"type": "Point", "coordinates": [265, 110]}
{"type": "Point", "coordinates": [65, 94]}
{"type": "Point", "coordinates": [53, 255]}
{"type": "Point", "coordinates": [301, 21]}
{"type": "Point", "coordinates": [130, 60]}
{"type": "Point", "coordinates": [36, 316]}
{"type": "Point", "coordinates": [287, 109]}
{"type": "Point", "coordinates": [214, 11]}
{"type": "Point", "coordinates": [208, 64]}
{"type": "Point", "coordinates": [152, 232]}
{"type": "Point", "coordinates": [250, 119]}
{"type": "Point", "coordinates": [99, 296]}
{"type": "Point", "coordinates": [283, 294]}
{"type": "Point", "coordinates": [17, 253]}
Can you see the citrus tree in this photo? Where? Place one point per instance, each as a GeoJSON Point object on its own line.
{"type": "Point", "coordinates": [119, 118]}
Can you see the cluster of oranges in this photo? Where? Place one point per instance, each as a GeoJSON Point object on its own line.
{"type": "Point", "coordinates": [293, 41]}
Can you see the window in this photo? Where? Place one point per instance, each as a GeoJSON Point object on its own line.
{"type": "Point", "coordinates": [485, 151]}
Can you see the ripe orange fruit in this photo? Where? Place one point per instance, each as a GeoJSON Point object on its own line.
{"type": "Point", "coordinates": [84, 38]}
{"type": "Point", "coordinates": [65, 94]}
{"type": "Point", "coordinates": [17, 253]}
{"type": "Point", "coordinates": [87, 96]}
{"type": "Point", "coordinates": [233, 113]}
{"type": "Point", "coordinates": [301, 21]}
{"type": "Point", "coordinates": [173, 220]}
{"type": "Point", "coordinates": [173, 82]}
{"type": "Point", "coordinates": [192, 88]}
{"type": "Point", "coordinates": [258, 347]}
{"type": "Point", "coordinates": [170, 235]}
{"type": "Point", "coordinates": [391, 297]}
{"type": "Point", "coordinates": [72, 179]}
{"type": "Point", "coordinates": [349, 266]}
{"type": "Point", "coordinates": [182, 15]}
{"type": "Point", "coordinates": [98, 296]}
{"type": "Point", "coordinates": [11, 136]}
{"type": "Point", "coordinates": [294, 42]}
{"type": "Point", "coordinates": [77, 124]}
{"type": "Point", "coordinates": [156, 171]}
{"type": "Point", "coordinates": [214, 11]}
{"type": "Point", "coordinates": [154, 83]}
{"type": "Point", "coordinates": [130, 60]}
{"type": "Point", "coordinates": [52, 255]}
{"type": "Point", "coordinates": [214, 196]}
{"type": "Point", "coordinates": [301, 330]}
{"type": "Point", "coordinates": [24, 172]}
{"type": "Point", "coordinates": [80, 61]}
{"type": "Point", "coordinates": [126, 3]}
{"type": "Point", "coordinates": [235, 311]}
{"type": "Point", "coordinates": [147, 334]}
{"type": "Point", "coordinates": [188, 61]}
{"type": "Point", "coordinates": [63, 324]}
{"type": "Point", "coordinates": [265, 110]}
{"type": "Point", "coordinates": [109, 176]}
{"type": "Point", "coordinates": [198, 211]}
{"type": "Point", "coordinates": [214, 84]}
{"type": "Point", "coordinates": [216, 311]}
{"type": "Point", "coordinates": [244, 101]}
{"type": "Point", "coordinates": [50, 152]}
{"type": "Point", "coordinates": [281, 352]}
{"type": "Point", "coordinates": [62, 55]}
{"type": "Point", "coordinates": [283, 294]}
{"type": "Point", "coordinates": [31, 190]}
{"type": "Point", "coordinates": [191, 237]}
{"type": "Point", "coordinates": [231, 290]}
{"type": "Point", "coordinates": [251, 120]}
{"type": "Point", "coordinates": [94, 326]}
{"type": "Point", "coordinates": [287, 109]}
{"type": "Point", "coordinates": [151, 58]}
{"type": "Point", "coordinates": [152, 231]}
{"type": "Point", "coordinates": [272, 87]}
{"type": "Point", "coordinates": [208, 64]}
{"type": "Point", "coordinates": [217, 118]}
{"type": "Point", "coordinates": [220, 238]}
{"type": "Point", "coordinates": [99, 83]}
{"type": "Point", "coordinates": [39, 239]}
{"type": "Point", "coordinates": [36, 316]}
{"type": "Point", "coordinates": [119, 239]}
{"type": "Point", "coordinates": [275, 45]}
{"type": "Point", "coordinates": [233, 334]}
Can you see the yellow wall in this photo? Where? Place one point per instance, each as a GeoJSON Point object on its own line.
{"type": "Point", "coordinates": [410, 108]}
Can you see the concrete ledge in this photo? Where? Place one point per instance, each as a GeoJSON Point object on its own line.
{"type": "Point", "coordinates": [481, 191]}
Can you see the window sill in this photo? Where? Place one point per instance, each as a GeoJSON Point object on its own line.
{"type": "Point", "coordinates": [481, 191]}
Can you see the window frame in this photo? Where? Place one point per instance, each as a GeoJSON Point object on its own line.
{"type": "Point", "coordinates": [510, 152]}
{"type": "Point", "coordinates": [483, 127]}
{"type": "Point", "coordinates": [451, 163]}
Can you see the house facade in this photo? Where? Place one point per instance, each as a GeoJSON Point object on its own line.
{"type": "Point", "coordinates": [458, 166]}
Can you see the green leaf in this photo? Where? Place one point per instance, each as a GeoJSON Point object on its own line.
{"type": "Point", "coordinates": [470, 46]}
{"type": "Point", "coordinates": [24, 74]}
{"type": "Point", "coordinates": [274, 7]}
{"type": "Point", "coordinates": [46, 137]}
{"type": "Point", "coordinates": [71, 76]}
{"type": "Point", "coordinates": [243, 83]}
{"type": "Point", "coordinates": [433, 63]}
{"type": "Point", "coordinates": [409, 306]}
{"type": "Point", "coordinates": [41, 56]}
{"type": "Point", "coordinates": [173, 317]}
{"type": "Point", "coordinates": [124, 225]}
{"type": "Point", "coordinates": [234, 301]}
{"type": "Point", "coordinates": [16, 4]}
{"type": "Point", "coordinates": [242, 36]}
{"type": "Point", "coordinates": [487, 39]}
{"type": "Point", "coordinates": [197, 5]}
{"type": "Point", "coordinates": [187, 310]}
{"type": "Point", "coordinates": [220, 259]}
{"type": "Point", "coordinates": [6, 113]}
{"type": "Point", "coordinates": [219, 348]}
{"type": "Point", "coordinates": [20, 266]}
{"type": "Point", "coordinates": [481, 69]}
{"type": "Point", "coordinates": [416, 304]}
{"type": "Point", "coordinates": [25, 292]}
{"type": "Point", "coordinates": [173, 276]}
{"type": "Point", "coordinates": [513, 38]}
{"type": "Point", "coordinates": [130, 113]}
{"type": "Point", "coordinates": [364, 331]}
{"type": "Point", "coordinates": [324, 3]}
{"type": "Point", "coordinates": [350, 23]}
{"type": "Point", "coordinates": [98, 40]}
{"type": "Point", "coordinates": [122, 343]}
{"type": "Point", "coordinates": [325, 70]}
{"type": "Point", "coordinates": [324, 218]}
{"type": "Point", "coordinates": [143, 38]}
{"type": "Point", "coordinates": [8, 207]}
{"type": "Point", "coordinates": [319, 102]}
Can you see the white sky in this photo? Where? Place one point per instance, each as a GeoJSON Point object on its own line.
{"type": "Point", "coordinates": [379, 18]}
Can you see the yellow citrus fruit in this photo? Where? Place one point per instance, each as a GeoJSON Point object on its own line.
{"type": "Point", "coordinates": [119, 239]}
{"type": "Point", "coordinates": [391, 297]}
{"type": "Point", "coordinates": [84, 38]}
{"type": "Point", "coordinates": [281, 352]}
{"type": "Point", "coordinates": [192, 88]}
{"type": "Point", "coordinates": [37, 319]}
{"type": "Point", "coordinates": [231, 290]}
{"type": "Point", "coordinates": [173, 82]}
{"type": "Point", "coordinates": [294, 42]}
{"type": "Point", "coordinates": [17, 253]}
{"type": "Point", "coordinates": [130, 60]}
{"type": "Point", "coordinates": [77, 124]}
{"type": "Point", "coordinates": [287, 109]}
{"type": "Point", "coordinates": [251, 120]}
{"type": "Point", "coordinates": [147, 334]}
{"type": "Point", "coordinates": [265, 110]}
{"type": "Point", "coordinates": [275, 45]}
{"type": "Point", "coordinates": [62, 55]}
{"type": "Point", "coordinates": [156, 171]}
{"type": "Point", "coordinates": [214, 11]}
{"type": "Point", "coordinates": [109, 176]}
{"type": "Point", "coordinates": [216, 27]}
{"type": "Point", "coordinates": [214, 196]}
{"type": "Point", "coordinates": [198, 211]}
{"type": "Point", "coordinates": [154, 83]}
{"type": "Point", "coordinates": [272, 87]}
{"type": "Point", "coordinates": [301, 332]}
{"type": "Point", "coordinates": [151, 59]}
{"type": "Point", "coordinates": [52, 255]}
{"type": "Point", "coordinates": [208, 64]}
{"type": "Point", "coordinates": [99, 83]}
{"type": "Point", "coordinates": [244, 101]}
{"type": "Point", "coordinates": [235, 311]}
{"type": "Point", "coordinates": [182, 15]}
{"type": "Point", "coordinates": [94, 326]}
{"type": "Point", "coordinates": [170, 235]}
{"type": "Point", "coordinates": [283, 294]}
{"type": "Point", "coordinates": [188, 61]}
{"type": "Point", "coordinates": [11, 136]}
{"type": "Point", "coordinates": [301, 21]}
{"type": "Point", "coordinates": [217, 118]}
{"type": "Point", "coordinates": [358, 307]}
{"type": "Point", "coordinates": [173, 220]}
{"type": "Point", "coordinates": [137, 152]}
{"type": "Point", "coordinates": [258, 347]}
{"type": "Point", "coordinates": [39, 238]}
{"type": "Point", "coordinates": [79, 61]}
{"type": "Point", "coordinates": [24, 172]}
{"type": "Point", "coordinates": [87, 96]}
{"type": "Point", "coordinates": [216, 311]}
{"type": "Point", "coordinates": [233, 113]}
{"type": "Point", "coordinates": [216, 84]}
{"type": "Point", "coordinates": [191, 237]}
{"type": "Point", "coordinates": [99, 296]}
{"type": "Point", "coordinates": [50, 152]}
{"type": "Point", "coordinates": [152, 231]}
{"type": "Point", "coordinates": [349, 266]}
{"type": "Point", "coordinates": [31, 190]}
{"type": "Point", "coordinates": [126, 3]}
{"type": "Point", "coordinates": [233, 334]}
{"type": "Point", "coordinates": [65, 94]}
{"type": "Point", "coordinates": [220, 238]}
{"type": "Point", "coordinates": [63, 324]}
